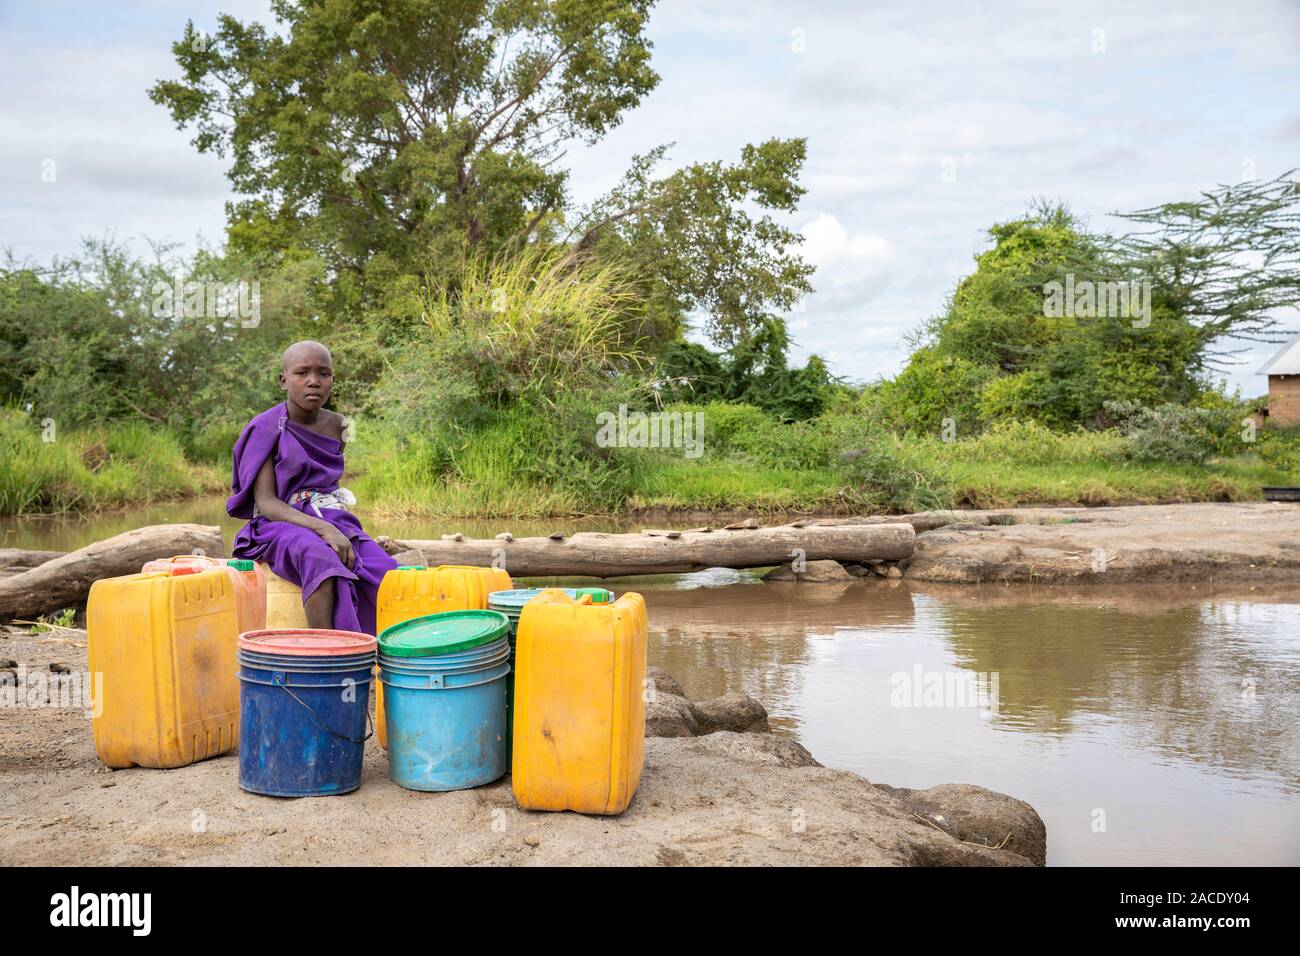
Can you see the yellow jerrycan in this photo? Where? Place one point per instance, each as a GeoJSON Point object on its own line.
{"type": "Point", "coordinates": [284, 608]}
{"type": "Point", "coordinates": [579, 735]}
{"type": "Point", "coordinates": [416, 590]}
{"type": "Point", "coordinates": [164, 643]}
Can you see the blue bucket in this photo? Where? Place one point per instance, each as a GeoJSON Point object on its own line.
{"type": "Point", "coordinates": [302, 717]}
{"type": "Point", "coordinates": [446, 713]}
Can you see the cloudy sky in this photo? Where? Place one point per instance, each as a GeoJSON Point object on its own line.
{"type": "Point", "coordinates": [926, 122]}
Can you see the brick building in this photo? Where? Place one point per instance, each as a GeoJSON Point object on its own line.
{"type": "Point", "coordinates": [1283, 371]}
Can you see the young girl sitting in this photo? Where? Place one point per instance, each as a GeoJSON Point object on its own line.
{"type": "Point", "coordinates": [288, 462]}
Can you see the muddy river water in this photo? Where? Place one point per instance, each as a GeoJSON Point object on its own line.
{"type": "Point", "coordinates": [1146, 725]}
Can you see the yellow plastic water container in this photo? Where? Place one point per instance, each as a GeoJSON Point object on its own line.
{"type": "Point", "coordinates": [165, 644]}
{"type": "Point", "coordinates": [249, 579]}
{"type": "Point", "coordinates": [416, 590]}
{"type": "Point", "coordinates": [284, 608]}
{"type": "Point", "coordinates": [579, 734]}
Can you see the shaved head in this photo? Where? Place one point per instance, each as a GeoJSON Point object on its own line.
{"type": "Point", "coordinates": [304, 350]}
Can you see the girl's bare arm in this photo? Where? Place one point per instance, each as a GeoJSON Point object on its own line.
{"type": "Point", "coordinates": [273, 509]}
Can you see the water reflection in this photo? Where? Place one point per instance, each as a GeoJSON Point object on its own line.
{"type": "Point", "coordinates": [1145, 725]}
{"type": "Point", "coordinates": [1214, 682]}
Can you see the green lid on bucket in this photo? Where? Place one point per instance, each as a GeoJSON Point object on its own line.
{"type": "Point", "coordinates": [412, 567]}
{"type": "Point", "coordinates": [598, 595]}
{"type": "Point", "coordinates": [240, 564]}
{"type": "Point", "coordinates": [445, 633]}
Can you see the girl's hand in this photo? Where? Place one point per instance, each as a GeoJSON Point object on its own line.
{"type": "Point", "coordinates": [337, 540]}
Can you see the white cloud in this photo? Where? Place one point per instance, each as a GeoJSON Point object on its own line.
{"type": "Point", "coordinates": [884, 92]}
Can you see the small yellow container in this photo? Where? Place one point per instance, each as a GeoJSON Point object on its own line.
{"type": "Point", "coordinates": [415, 591]}
{"type": "Point", "coordinates": [283, 602]}
{"type": "Point", "coordinates": [579, 735]}
{"type": "Point", "coordinates": [165, 645]}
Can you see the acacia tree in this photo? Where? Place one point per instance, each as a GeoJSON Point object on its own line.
{"type": "Point", "coordinates": [396, 139]}
{"type": "Point", "coordinates": [1226, 263]}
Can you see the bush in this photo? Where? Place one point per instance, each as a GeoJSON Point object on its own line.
{"type": "Point", "coordinates": [1174, 433]}
{"type": "Point", "coordinates": [934, 387]}
{"type": "Point", "coordinates": [1031, 443]}
{"type": "Point", "coordinates": [121, 463]}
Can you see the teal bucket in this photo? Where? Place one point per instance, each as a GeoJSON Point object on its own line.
{"type": "Point", "coordinates": [446, 712]}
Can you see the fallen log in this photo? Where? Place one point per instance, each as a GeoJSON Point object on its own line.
{"type": "Point", "coordinates": [65, 581]}
{"type": "Point", "coordinates": [595, 554]}
{"type": "Point", "coordinates": [24, 559]}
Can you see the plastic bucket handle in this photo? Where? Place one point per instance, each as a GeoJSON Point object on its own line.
{"type": "Point", "coordinates": [278, 680]}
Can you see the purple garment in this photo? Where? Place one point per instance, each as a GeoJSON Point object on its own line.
{"type": "Point", "coordinates": [304, 460]}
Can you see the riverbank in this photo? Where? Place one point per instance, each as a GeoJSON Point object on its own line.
{"type": "Point", "coordinates": [726, 797]}
{"type": "Point", "coordinates": [1187, 543]}
{"type": "Point", "coordinates": [834, 465]}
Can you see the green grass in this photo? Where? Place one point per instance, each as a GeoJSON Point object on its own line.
{"type": "Point", "coordinates": [95, 468]}
{"type": "Point", "coordinates": [523, 464]}
{"type": "Point", "coordinates": [513, 468]}
{"type": "Point", "coordinates": [731, 484]}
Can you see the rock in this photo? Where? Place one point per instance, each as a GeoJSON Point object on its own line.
{"type": "Point", "coordinates": [533, 840]}
{"type": "Point", "coordinates": [505, 536]}
{"type": "Point", "coordinates": [769, 748]}
{"type": "Point", "coordinates": [669, 715]}
{"type": "Point", "coordinates": [664, 682]}
{"type": "Point", "coordinates": [412, 557]}
{"type": "Point", "coordinates": [736, 712]}
{"type": "Point", "coordinates": [56, 668]}
{"type": "Point", "coordinates": [760, 799]}
{"type": "Point", "coordinates": [893, 572]}
{"type": "Point", "coordinates": [814, 572]}
{"type": "Point", "coordinates": [858, 570]}
{"type": "Point", "coordinates": [672, 714]}
{"type": "Point", "coordinates": [985, 817]}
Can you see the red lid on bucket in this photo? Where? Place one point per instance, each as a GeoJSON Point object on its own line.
{"type": "Point", "coordinates": [306, 642]}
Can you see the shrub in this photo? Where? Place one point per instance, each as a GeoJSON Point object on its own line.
{"type": "Point", "coordinates": [933, 387]}
{"type": "Point", "coordinates": [1174, 433]}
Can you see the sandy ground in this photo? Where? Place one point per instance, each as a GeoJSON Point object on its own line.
{"type": "Point", "coordinates": [725, 798]}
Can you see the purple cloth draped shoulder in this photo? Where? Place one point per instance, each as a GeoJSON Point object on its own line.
{"type": "Point", "coordinates": [304, 460]}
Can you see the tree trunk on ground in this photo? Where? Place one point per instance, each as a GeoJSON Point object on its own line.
{"type": "Point", "coordinates": [23, 559]}
{"type": "Point", "coordinates": [65, 581]}
{"type": "Point", "coordinates": [611, 555]}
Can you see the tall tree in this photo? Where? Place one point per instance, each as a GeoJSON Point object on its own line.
{"type": "Point", "coordinates": [386, 135]}
{"type": "Point", "coordinates": [396, 140]}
